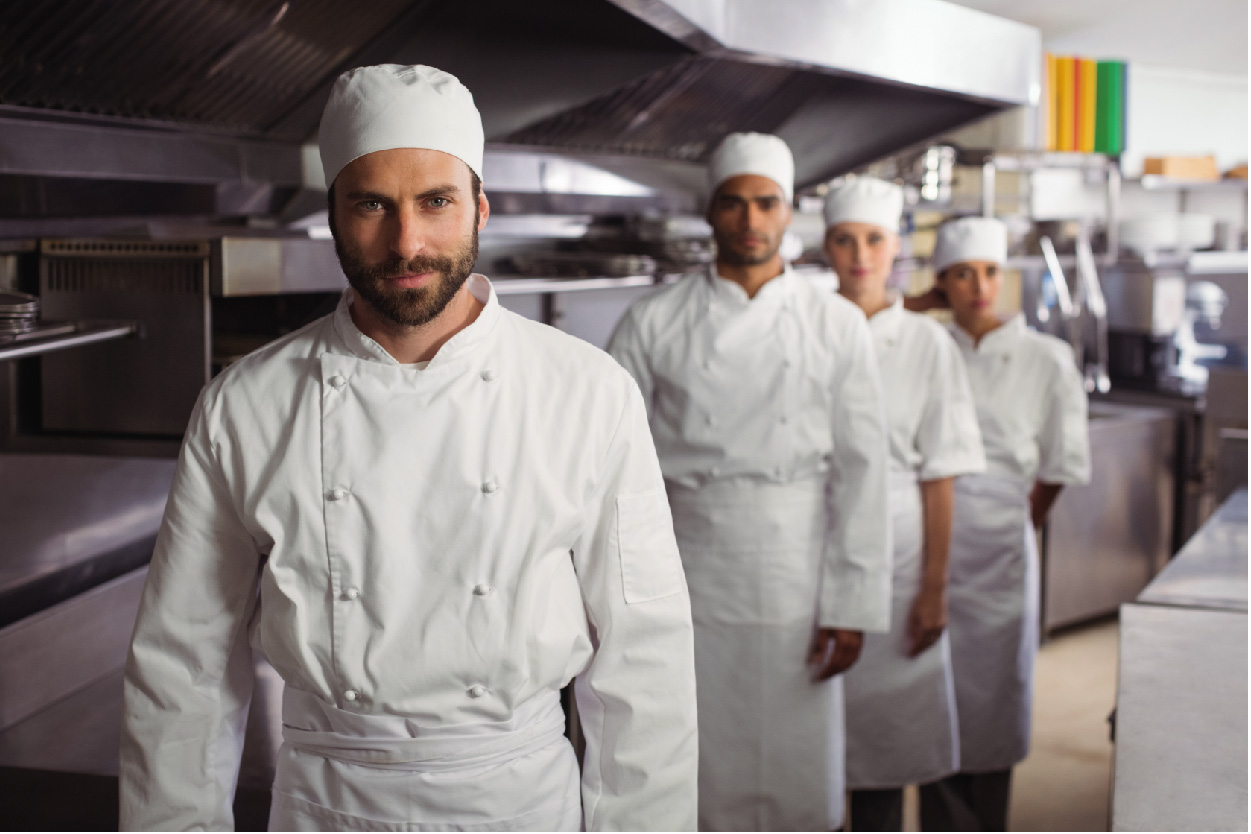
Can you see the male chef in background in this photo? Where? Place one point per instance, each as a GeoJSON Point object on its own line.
{"type": "Point", "coordinates": [429, 514]}
{"type": "Point", "coordinates": [763, 397]}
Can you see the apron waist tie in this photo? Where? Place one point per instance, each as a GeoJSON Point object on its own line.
{"type": "Point", "coordinates": [393, 742]}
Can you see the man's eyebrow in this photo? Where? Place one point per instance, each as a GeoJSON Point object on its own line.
{"type": "Point", "coordinates": [367, 195]}
{"type": "Point", "coordinates": [437, 191]}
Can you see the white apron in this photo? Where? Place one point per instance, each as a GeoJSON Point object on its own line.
{"type": "Point", "coordinates": [901, 720]}
{"type": "Point", "coordinates": [387, 773]}
{"type": "Point", "coordinates": [993, 619]}
{"type": "Point", "coordinates": [752, 555]}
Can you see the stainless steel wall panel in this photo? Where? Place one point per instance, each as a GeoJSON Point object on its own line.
{"type": "Point", "coordinates": [64, 648]}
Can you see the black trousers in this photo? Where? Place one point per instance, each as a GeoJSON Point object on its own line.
{"type": "Point", "coordinates": [967, 802]}
{"type": "Point", "coordinates": [876, 810]}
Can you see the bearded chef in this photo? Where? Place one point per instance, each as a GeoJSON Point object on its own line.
{"type": "Point", "coordinates": [1031, 413]}
{"type": "Point", "coordinates": [429, 514]}
{"type": "Point", "coordinates": [763, 397]}
{"type": "Point", "coordinates": [900, 704]}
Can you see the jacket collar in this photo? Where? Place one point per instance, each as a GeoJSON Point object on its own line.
{"type": "Point", "coordinates": [885, 324]}
{"type": "Point", "coordinates": [775, 291]}
{"type": "Point", "coordinates": [363, 347]}
{"type": "Point", "coordinates": [999, 340]}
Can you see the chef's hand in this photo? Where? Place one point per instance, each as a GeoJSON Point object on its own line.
{"type": "Point", "coordinates": [926, 619]}
{"type": "Point", "coordinates": [834, 650]}
{"type": "Point", "coordinates": [931, 299]}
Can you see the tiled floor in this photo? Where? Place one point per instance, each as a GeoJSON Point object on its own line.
{"type": "Point", "coordinates": [1064, 784]}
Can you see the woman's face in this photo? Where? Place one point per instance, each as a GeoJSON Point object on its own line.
{"type": "Point", "coordinates": [972, 287]}
{"type": "Point", "coordinates": [862, 255]}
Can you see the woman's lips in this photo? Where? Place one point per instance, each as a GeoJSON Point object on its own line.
{"type": "Point", "coordinates": [412, 281]}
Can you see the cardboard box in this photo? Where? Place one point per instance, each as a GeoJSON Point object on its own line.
{"type": "Point", "coordinates": [1238, 172]}
{"type": "Point", "coordinates": [1200, 168]}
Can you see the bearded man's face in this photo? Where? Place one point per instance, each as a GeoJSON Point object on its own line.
{"type": "Point", "coordinates": [405, 224]}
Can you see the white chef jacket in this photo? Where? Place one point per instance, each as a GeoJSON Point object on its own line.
{"type": "Point", "coordinates": [445, 548]}
{"type": "Point", "coordinates": [1031, 409]}
{"type": "Point", "coordinates": [768, 422]}
{"type": "Point", "coordinates": [1031, 406]}
{"type": "Point", "coordinates": [900, 710]}
{"type": "Point", "coordinates": [930, 414]}
{"type": "Point", "coordinates": [778, 388]}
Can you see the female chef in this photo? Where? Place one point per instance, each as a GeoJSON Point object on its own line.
{"type": "Point", "coordinates": [900, 706]}
{"type": "Point", "coordinates": [1031, 409]}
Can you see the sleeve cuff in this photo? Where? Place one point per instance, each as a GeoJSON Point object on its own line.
{"type": "Point", "coordinates": [862, 605]}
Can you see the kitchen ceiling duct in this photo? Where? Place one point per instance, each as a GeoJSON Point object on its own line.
{"type": "Point", "coordinates": [211, 104]}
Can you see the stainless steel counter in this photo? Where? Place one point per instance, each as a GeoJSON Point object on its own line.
{"type": "Point", "coordinates": [1211, 570]}
{"type": "Point", "coordinates": [1181, 721]}
{"type": "Point", "coordinates": [1105, 540]}
{"type": "Point", "coordinates": [1181, 713]}
{"type": "Point", "coordinates": [70, 522]}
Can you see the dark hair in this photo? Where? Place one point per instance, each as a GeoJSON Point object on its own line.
{"type": "Point", "coordinates": [475, 189]}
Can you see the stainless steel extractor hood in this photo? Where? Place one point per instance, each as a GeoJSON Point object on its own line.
{"type": "Point", "coordinates": [209, 108]}
{"type": "Point", "coordinates": [843, 81]}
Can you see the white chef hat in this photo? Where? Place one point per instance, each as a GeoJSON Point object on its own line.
{"type": "Point", "coordinates": [970, 239]}
{"type": "Point", "coordinates": [393, 106]}
{"type": "Point", "coordinates": [752, 153]}
{"type": "Point", "coordinates": [865, 200]}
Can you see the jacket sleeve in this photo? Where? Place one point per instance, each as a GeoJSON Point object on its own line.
{"type": "Point", "coordinates": [636, 698]}
{"type": "Point", "coordinates": [1064, 439]}
{"type": "Point", "coordinates": [948, 437]}
{"type": "Point", "coordinates": [626, 346]}
{"type": "Point", "coordinates": [188, 677]}
{"type": "Point", "coordinates": [855, 577]}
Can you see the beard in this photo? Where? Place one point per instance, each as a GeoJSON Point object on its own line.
{"type": "Point", "coordinates": [409, 306]}
{"type": "Point", "coordinates": [727, 254]}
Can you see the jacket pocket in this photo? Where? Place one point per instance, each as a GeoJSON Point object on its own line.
{"type": "Point", "coordinates": [650, 565]}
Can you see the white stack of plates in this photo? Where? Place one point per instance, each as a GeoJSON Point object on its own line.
{"type": "Point", "coordinates": [19, 312]}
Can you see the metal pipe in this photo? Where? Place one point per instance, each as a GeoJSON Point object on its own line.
{"type": "Point", "coordinates": [988, 188]}
{"type": "Point", "coordinates": [91, 334]}
{"type": "Point", "coordinates": [1114, 212]}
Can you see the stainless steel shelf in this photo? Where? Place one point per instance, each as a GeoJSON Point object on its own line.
{"type": "Point", "coordinates": [65, 335]}
{"type": "Point", "coordinates": [1155, 182]}
{"type": "Point", "coordinates": [543, 286]}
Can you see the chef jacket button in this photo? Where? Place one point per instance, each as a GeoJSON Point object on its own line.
{"type": "Point", "coordinates": [490, 486]}
{"type": "Point", "coordinates": [350, 695]}
{"type": "Point", "coordinates": [482, 590]}
{"type": "Point", "coordinates": [352, 594]}
{"type": "Point", "coordinates": [337, 382]}
{"type": "Point", "coordinates": [712, 421]}
{"type": "Point", "coordinates": [784, 419]}
{"type": "Point", "coordinates": [786, 363]}
{"type": "Point", "coordinates": [337, 494]}
{"type": "Point", "coordinates": [477, 691]}
{"type": "Point", "coordinates": [489, 375]}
